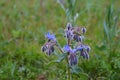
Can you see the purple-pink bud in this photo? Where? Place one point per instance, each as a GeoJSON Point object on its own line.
{"type": "Point", "coordinates": [88, 49]}
{"type": "Point", "coordinates": [69, 26]}
{"type": "Point", "coordinates": [83, 30]}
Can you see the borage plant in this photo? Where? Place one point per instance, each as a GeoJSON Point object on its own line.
{"type": "Point", "coordinates": [72, 49]}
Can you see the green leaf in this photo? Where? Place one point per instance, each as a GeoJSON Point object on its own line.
{"type": "Point", "coordinates": [79, 71]}
{"type": "Point", "coordinates": [106, 29]}
{"type": "Point", "coordinates": [83, 76]}
{"type": "Point", "coordinates": [15, 33]}
{"type": "Point", "coordinates": [76, 69]}
{"type": "Point", "coordinates": [60, 59]}
{"type": "Point", "coordinates": [13, 69]}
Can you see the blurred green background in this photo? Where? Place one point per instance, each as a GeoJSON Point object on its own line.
{"type": "Point", "coordinates": [23, 24]}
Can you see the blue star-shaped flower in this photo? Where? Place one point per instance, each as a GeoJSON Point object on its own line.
{"type": "Point", "coordinates": [50, 36]}
{"type": "Point", "coordinates": [66, 48]}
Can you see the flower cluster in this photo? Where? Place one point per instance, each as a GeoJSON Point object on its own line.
{"type": "Point", "coordinates": [73, 35]}
{"type": "Point", "coordinates": [48, 47]}
{"type": "Point", "coordinates": [82, 50]}
{"type": "Point", "coordinates": [76, 34]}
{"type": "Point", "coordinates": [72, 55]}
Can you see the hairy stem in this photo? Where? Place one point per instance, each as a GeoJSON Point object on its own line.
{"type": "Point", "coordinates": [59, 48]}
{"type": "Point", "coordinates": [68, 70]}
{"type": "Point", "coordinates": [68, 67]}
{"type": "Point", "coordinates": [67, 59]}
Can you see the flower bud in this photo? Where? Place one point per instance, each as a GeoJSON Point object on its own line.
{"type": "Point", "coordinates": [50, 51]}
{"type": "Point", "coordinates": [69, 26]}
{"type": "Point", "coordinates": [88, 49]}
{"type": "Point", "coordinates": [83, 30]}
{"type": "Point", "coordinates": [84, 54]}
{"type": "Point", "coordinates": [43, 48]}
{"type": "Point", "coordinates": [78, 38]}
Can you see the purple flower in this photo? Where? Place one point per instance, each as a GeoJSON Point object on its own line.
{"type": "Point", "coordinates": [72, 55]}
{"type": "Point", "coordinates": [78, 38]}
{"type": "Point", "coordinates": [84, 54]}
{"type": "Point", "coordinates": [69, 31]}
{"type": "Point", "coordinates": [79, 48]}
{"type": "Point", "coordinates": [84, 50]}
{"type": "Point", "coordinates": [50, 36]}
{"type": "Point", "coordinates": [67, 48]}
{"type": "Point", "coordinates": [88, 49]}
{"type": "Point", "coordinates": [73, 59]}
{"type": "Point", "coordinates": [48, 48]}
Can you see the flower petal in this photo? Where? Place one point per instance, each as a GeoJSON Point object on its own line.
{"type": "Point", "coordinates": [66, 48]}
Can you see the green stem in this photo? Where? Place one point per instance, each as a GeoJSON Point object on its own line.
{"type": "Point", "coordinates": [68, 67]}
{"type": "Point", "coordinates": [67, 59]}
{"type": "Point", "coordinates": [68, 70]}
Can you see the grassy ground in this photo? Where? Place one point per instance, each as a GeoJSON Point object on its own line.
{"type": "Point", "coordinates": [22, 27]}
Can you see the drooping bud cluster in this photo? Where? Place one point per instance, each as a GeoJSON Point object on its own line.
{"type": "Point", "coordinates": [83, 50]}
{"type": "Point", "coordinates": [48, 47]}
{"type": "Point", "coordinates": [72, 55]}
{"type": "Point", "coordinates": [74, 33]}
{"type": "Point", "coordinates": [69, 31]}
